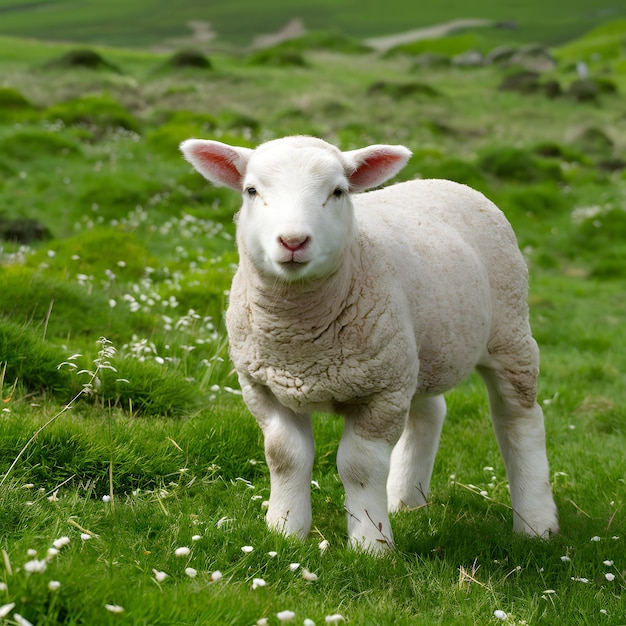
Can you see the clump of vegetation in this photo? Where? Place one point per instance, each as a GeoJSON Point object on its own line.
{"type": "Point", "coordinates": [94, 111]}
{"type": "Point", "coordinates": [529, 82]}
{"type": "Point", "coordinates": [518, 165]}
{"type": "Point", "coordinates": [403, 90]}
{"type": "Point", "coordinates": [83, 58]}
{"type": "Point", "coordinates": [278, 57]}
{"type": "Point", "coordinates": [449, 46]}
{"type": "Point", "coordinates": [28, 144]}
{"type": "Point", "coordinates": [22, 230]}
{"type": "Point", "coordinates": [188, 59]}
{"type": "Point", "coordinates": [14, 105]}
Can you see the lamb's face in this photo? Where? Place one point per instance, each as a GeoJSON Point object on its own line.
{"type": "Point", "coordinates": [296, 217]}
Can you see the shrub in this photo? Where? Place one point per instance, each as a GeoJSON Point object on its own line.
{"type": "Point", "coordinates": [277, 57]}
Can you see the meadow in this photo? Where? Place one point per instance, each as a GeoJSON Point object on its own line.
{"type": "Point", "coordinates": [132, 478]}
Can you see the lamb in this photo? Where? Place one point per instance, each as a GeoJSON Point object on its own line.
{"type": "Point", "coordinates": [371, 306]}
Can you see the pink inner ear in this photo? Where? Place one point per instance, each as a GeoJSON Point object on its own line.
{"type": "Point", "coordinates": [218, 162]}
{"type": "Point", "coordinates": [372, 169]}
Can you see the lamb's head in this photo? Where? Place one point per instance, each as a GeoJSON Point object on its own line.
{"type": "Point", "coordinates": [296, 218]}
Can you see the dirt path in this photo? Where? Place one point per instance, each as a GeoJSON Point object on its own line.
{"type": "Point", "coordinates": [383, 44]}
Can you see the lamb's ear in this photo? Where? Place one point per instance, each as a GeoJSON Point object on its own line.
{"type": "Point", "coordinates": [372, 166]}
{"type": "Point", "coordinates": [218, 162]}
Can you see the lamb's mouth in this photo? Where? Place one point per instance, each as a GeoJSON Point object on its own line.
{"type": "Point", "coordinates": [292, 267]}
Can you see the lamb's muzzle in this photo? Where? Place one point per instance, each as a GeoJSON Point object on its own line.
{"type": "Point", "coordinates": [371, 306]}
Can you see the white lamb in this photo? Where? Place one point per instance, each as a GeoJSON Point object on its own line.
{"type": "Point", "coordinates": [371, 306]}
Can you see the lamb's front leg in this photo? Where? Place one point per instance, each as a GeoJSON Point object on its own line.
{"type": "Point", "coordinates": [289, 452]}
{"type": "Point", "coordinates": [363, 463]}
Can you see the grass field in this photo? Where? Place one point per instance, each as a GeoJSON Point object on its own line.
{"type": "Point", "coordinates": [132, 478]}
{"type": "Point", "coordinates": [153, 22]}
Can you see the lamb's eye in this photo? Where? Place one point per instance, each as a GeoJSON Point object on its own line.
{"type": "Point", "coordinates": [338, 192]}
{"type": "Point", "coordinates": [251, 191]}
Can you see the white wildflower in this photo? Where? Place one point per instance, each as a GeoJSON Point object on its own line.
{"type": "Point", "coordinates": [324, 545]}
{"type": "Point", "coordinates": [85, 536]}
{"type": "Point", "coordinates": [35, 566]}
{"type": "Point", "coordinates": [182, 551]}
{"type": "Point", "coordinates": [272, 553]}
{"type": "Point", "coordinates": [52, 552]}
{"type": "Point", "coordinates": [31, 552]}
{"type": "Point", "coordinates": [60, 542]}
{"type": "Point", "coordinates": [5, 609]}
{"type": "Point", "coordinates": [216, 575]}
{"type": "Point", "coordinates": [308, 576]}
{"type": "Point", "coordinates": [258, 582]}
{"type": "Point", "coordinates": [334, 619]}
{"type": "Point", "coordinates": [191, 572]}
{"type": "Point", "coordinates": [596, 538]}
{"type": "Point", "coordinates": [262, 622]}
{"type": "Point", "coordinates": [159, 576]}
{"type": "Point", "coordinates": [498, 614]}
{"type": "Point", "coordinates": [106, 498]}
{"type": "Point", "coordinates": [53, 585]}
{"type": "Point", "coordinates": [114, 608]}
{"type": "Point", "coordinates": [610, 577]}
{"type": "Point", "coordinates": [247, 549]}
{"type": "Point", "coordinates": [607, 563]}
{"type": "Point", "coordinates": [21, 621]}
{"type": "Point", "coordinates": [308, 622]}
{"type": "Point", "coordinates": [565, 559]}
{"type": "Point", "coordinates": [294, 566]}
{"type": "Point", "coordinates": [285, 616]}
{"type": "Point", "coordinates": [196, 538]}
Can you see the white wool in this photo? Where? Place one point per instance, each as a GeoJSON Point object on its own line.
{"type": "Point", "coordinates": [371, 305]}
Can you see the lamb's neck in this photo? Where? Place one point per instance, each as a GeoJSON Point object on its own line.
{"type": "Point", "coordinates": [304, 305]}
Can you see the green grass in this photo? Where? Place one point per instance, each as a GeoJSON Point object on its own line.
{"type": "Point", "coordinates": [141, 251]}
{"type": "Point", "coordinates": [150, 22]}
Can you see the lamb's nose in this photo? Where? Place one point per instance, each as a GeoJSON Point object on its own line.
{"type": "Point", "coordinates": [293, 242]}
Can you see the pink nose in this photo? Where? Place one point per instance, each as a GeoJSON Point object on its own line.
{"type": "Point", "coordinates": [293, 243]}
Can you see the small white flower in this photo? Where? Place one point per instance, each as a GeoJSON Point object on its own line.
{"type": "Point", "coordinates": [222, 521]}
{"type": "Point", "coordinates": [294, 566]}
{"type": "Point", "coordinates": [3, 587]}
{"type": "Point", "coordinates": [31, 553]}
{"type": "Point", "coordinates": [498, 614]}
{"type": "Point", "coordinates": [565, 559]}
{"type": "Point", "coordinates": [216, 575]}
{"type": "Point", "coordinates": [35, 566]}
{"type": "Point", "coordinates": [549, 591]}
{"type": "Point", "coordinates": [596, 538]}
{"type": "Point", "coordinates": [607, 563]}
{"type": "Point", "coordinates": [60, 542]}
{"type": "Point", "coordinates": [262, 622]}
{"type": "Point", "coordinates": [21, 621]}
{"type": "Point", "coordinates": [159, 576]}
{"type": "Point", "coordinates": [52, 552]}
{"type": "Point", "coordinates": [272, 553]}
{"type": "Point", "coordinates": [114, 608]}
{"type": "Point", "coordinates": [580, 580]}
{"type": "Point", "coordinates": [610, 577]}
{"type": "Point", "coordinates": [5, 609]}
{"type": "Point", "coordinates": [308, 622]}
{"type": "Point", "coordinates": [196, 538]}
{"type": "Point", "coordinates": [247, 549]}
{"type": "Point", "coordinates": [285, 616]}
{"type": "Point", "coordinates": [191, 572]}
{"type": "Point", "coordinates": [484, 494]}
{"type": "Point", "coordinates": [604, 612]}
{"type": "Point", "coordinates": [107, 499]}
{"type": "Point", "coordinates": [324, 545]}
{"type": "Point", "coordinates": [334, 619]}
{"type": "Point", "coordinates": [308, 576]}
{"type": "Point", "coordinates": [182, 551]}
{"type": "Point", "coordinates": [53, 585]}
{"type": "Point", "coordinates": [85, 536]}
{"type": "Point", "coordinates": [315, 484]}
{"type": "Point", "coordinates": [258, 582]}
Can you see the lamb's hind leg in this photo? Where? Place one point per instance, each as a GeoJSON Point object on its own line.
{"type": "Point", "coordinates": [518, 424]}
{"type": "Point", "coordinates": [413, 456]}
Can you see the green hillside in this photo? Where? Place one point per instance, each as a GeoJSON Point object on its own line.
{"type": "Point", "coordinates": [152, 22]}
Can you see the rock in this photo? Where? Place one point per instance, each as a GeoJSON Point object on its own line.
{"type": "Point", "coordinates": [471, 58]}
